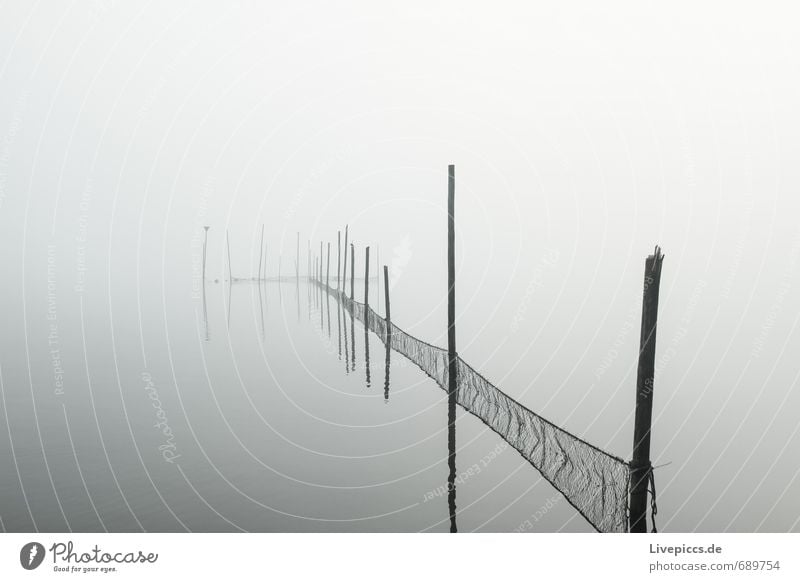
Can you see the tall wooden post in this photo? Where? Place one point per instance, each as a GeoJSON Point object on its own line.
{"type": "Point", "coordinates": [366, 284]}
{"type": "Point", "coordinates": [328, 270]}
{"type": "Point", "coordinates": [452, 355]}
{"type": "Point", "coordinates": [205, 246]}
{"type": "Point", "coordinates": [352, 272]}
{"type": "Point", "coordinates": [338, 258]}
{"type": "Point", "coordinates": [641, 468]}
{"type": "Point", "coordinates": [344, 268]}
{"type": "Point", "coordinates": [230, 269]}
{"type": "Point", "coordinates": [260, 252]}
{"type": "Point", "coordinates": [320, 263]}
{"type": "Point", "coordinates": [386, 295]}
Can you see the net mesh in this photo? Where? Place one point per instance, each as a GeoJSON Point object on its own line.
{"type": "Point", "coordinates": [596, 483]}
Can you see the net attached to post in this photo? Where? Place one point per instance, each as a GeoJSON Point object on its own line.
{"type": "Point", "coordinates": [596, 483]}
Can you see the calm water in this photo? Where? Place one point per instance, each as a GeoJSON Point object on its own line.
{"type": "Point", "coordinates": [271, 411]}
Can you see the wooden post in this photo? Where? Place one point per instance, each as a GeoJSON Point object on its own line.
{"type": "Point", "coordinates": [386, 295]}
{"type": "Point", "coordinates": [452, 355]}
{"type": "Point", "coordinates": [338, 257]}
{"type": "Point", "coordinates": [297, 262]}
{"type": "Point", "coordinates": [319, 273]}
{"type": "Point", "coordinates": [260, 252]}
{"type": "Point", "coordinates": [366, 284]}
{"type": "Point", "coordinates": [344, 268]}
{"type": "Point", "coordinates": [205, 246]}
{"type": "Point", "coordinates": [230, 269]}
{"type": "Point", "coordinates": [352, 271]}
{"type": "Point", "coordinates": [328, 271]}
{"type": "Point", "coordinates": [641, 468]}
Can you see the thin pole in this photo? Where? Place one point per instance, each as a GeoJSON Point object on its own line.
{"type": "Point", "coordinates": [344, 269]}
{"type": "Point", "coordinates": [328, 271]}
{"type": "Point", "coordinates": [366, 282]}
{"type": "Point", "coordinates": [297, 262]}
{"type": "Point", "coordinates": [386, 294]}
{"type": "Point", "coordinates": [265, 261]}
{"type": "Point", "coordinates": [352, 271]}
{"type": "Point", "coordinates": [260, 252]}
{"type": "Point", "coordinates": [230, 269]}
{"type": "Point", "coordinates": [338, 258]}
{"type": "Point", "coordinates": [641, 468]}
{"type": "Point", "coordinates": [320, 263]}
{"type": "Point", "coordinates": [205, 246]}
{"type": "Point", "coordinates": [451, 345]}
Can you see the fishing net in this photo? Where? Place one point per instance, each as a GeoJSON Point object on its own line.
{"type": "Point", "coordinates": [593, 481]}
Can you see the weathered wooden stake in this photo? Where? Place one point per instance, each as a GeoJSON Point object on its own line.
{"type": "Point", "coordinates": [328, 271]}
{"type": "Point", "coordinates": [344, 269]}
{"type": "Point", "coordinates": [641, 468]}
{"type": "Point", "coordinates": [452, 355]}
{"type": "Point", "coordinates": [260, 252]}
{"type": "Point", "coordinates": [386, 295]}
{"type": "Point", "coordinates": [205, 246]}
{"type": "Point", "coordinates": [352, 272]}
{"type": "Point", "coordinates": [366, 284]}
{"type": "Point", "coordinates": [338, 258]}
{"type": "Point", "coordinates": [230, 269]}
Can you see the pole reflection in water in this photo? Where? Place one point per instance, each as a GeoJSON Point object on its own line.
{"type": "Point", "coordinates": [328, 307]}
{"type": "Point", "coordinates": [388, 365]}
{"type": "Point", "coordinates": [353, 339]}
{"type": "Point", "coordinates": [451, 458]}
{"type": "Point", "coordinates": [366, 349]}
{"type": "Point", "coordinates": [339, 325]}
{"type": "Point", "coordinates": [346, 349]}
{"type": "Point", "coordinates": [205, 312]}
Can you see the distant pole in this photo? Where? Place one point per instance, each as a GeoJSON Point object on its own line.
{"type": "Point", "coordinates": [366, 283]}
{"type": "Point", "coordinates": [205, 246]}
{"type": "Point", "coordinates": [641, 468]}
{"type": "Point", "coordinates": [338, 258]}
{"type": "Point", "coordinates": [320, 263]}
{"type": "Point", "coordinates": [328, 270]}
{"type": "Point", "coordinates": [451, 277]}
{"type": "Point", "coordinates": [308, 272]}
{"type": "Point", "coordinates": [260, 252]}
{"type": "Point", "coordinates": [344, 269]}
{"type": "Point", "coordinates": [386, 294]}
{"type": "Point", "coordinates": [230, 269]}
{"type": "Point", "coordinates": [452, 367]}
{"type": "Point", "coordinates": [297, 262]}
{"type": "Point", "coordinates": [265, 261]}
{"type": "Point", "coordinates": [352, 272]}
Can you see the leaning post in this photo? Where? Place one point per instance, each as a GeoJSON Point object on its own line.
{"type": "Point", "coordinates": [641, 467]}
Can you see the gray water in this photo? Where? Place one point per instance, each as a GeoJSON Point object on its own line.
{"type": "Point", "coordinates": [254, 415]}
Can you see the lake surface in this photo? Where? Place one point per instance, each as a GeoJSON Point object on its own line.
{"type": "Point", "coordinates": [270, 410]}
